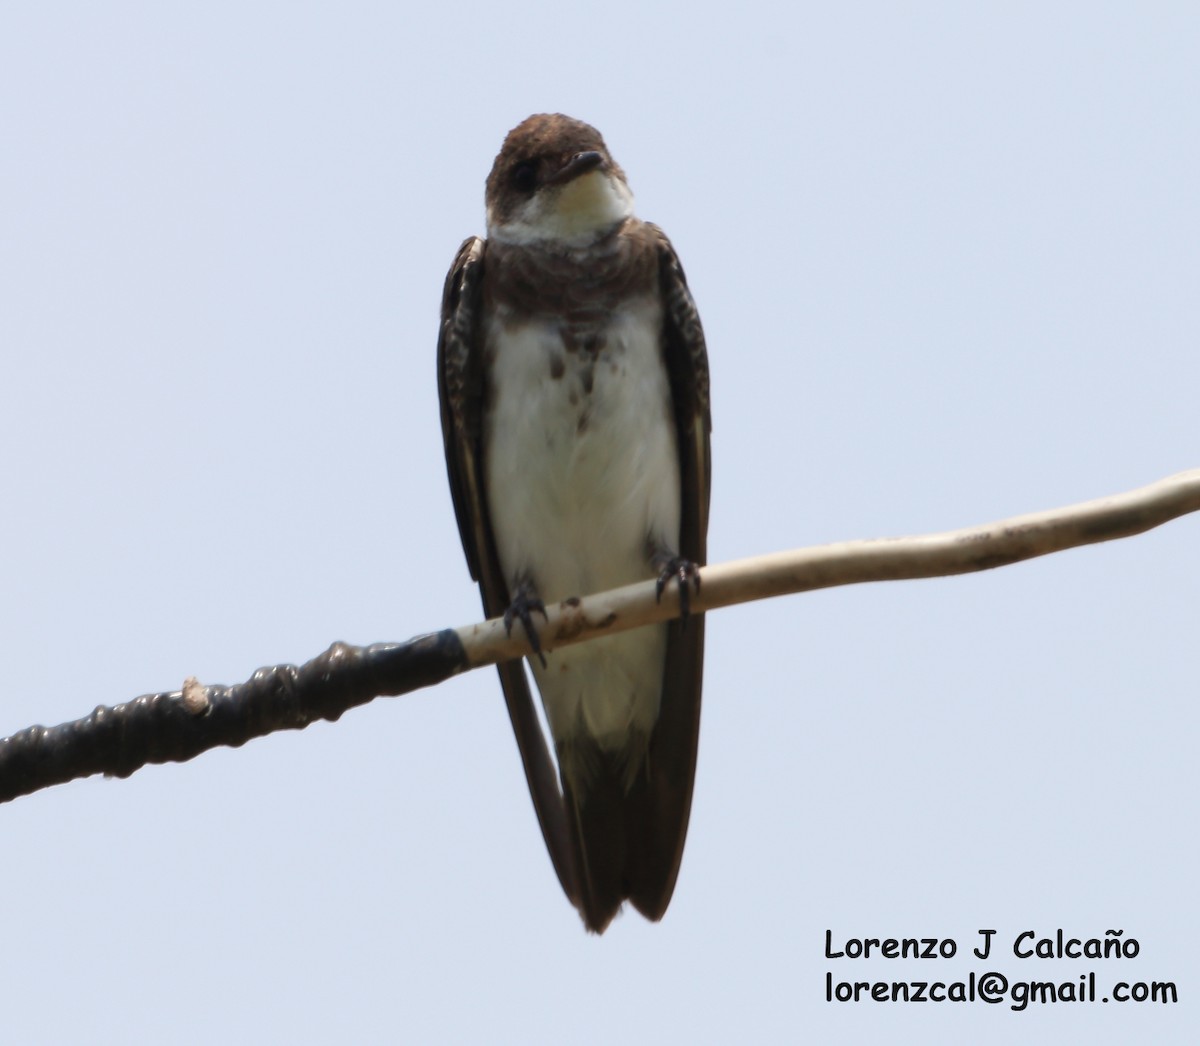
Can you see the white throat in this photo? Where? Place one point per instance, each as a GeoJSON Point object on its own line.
{"type": "Point", "coordinates": [573, 215]}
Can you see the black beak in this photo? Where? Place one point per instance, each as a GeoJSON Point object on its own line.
{"type": "Point", "coordinates": [578, 164]}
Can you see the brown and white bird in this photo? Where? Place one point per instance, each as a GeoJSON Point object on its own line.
{"type": "Point", "coordinates": [575, 409]}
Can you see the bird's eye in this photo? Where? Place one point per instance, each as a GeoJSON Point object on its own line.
{"type": "Point", "coordinates": [524, 176]}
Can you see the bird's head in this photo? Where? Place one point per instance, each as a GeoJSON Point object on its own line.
{"type": "Point", "coordinates": [555, 184]}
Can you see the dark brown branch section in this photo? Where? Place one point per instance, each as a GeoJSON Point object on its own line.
{"type": "Point", "coordinates": [175, 727]}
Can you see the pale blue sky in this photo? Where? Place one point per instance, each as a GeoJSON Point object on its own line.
{"type": "Point", "coordinates": [947, 260]}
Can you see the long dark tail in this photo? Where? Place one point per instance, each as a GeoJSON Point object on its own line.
{"type": "Point", "coordinates": [627, 840]}
{"type": "Point", "coordinates": [598, 820]}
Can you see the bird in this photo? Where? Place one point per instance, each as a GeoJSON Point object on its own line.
{"type": "Point", "coordinates": [574, 389]}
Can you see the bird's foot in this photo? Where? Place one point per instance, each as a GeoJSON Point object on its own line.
{"type": "Point", "coordinates": [683, 571]}
{"type": "Point", "coordinates": [525, 604]}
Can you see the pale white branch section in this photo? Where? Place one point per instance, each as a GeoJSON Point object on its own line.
{"type": "Point", "coordinates": [850, 563]}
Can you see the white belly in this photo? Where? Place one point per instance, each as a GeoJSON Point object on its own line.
{"type": "Point", "coordinates": [582, 474]}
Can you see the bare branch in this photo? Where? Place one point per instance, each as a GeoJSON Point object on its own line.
{"type": "Point", "coordinates": [854, 562]}
{"type": "Point", "coordinates": [176, 726]}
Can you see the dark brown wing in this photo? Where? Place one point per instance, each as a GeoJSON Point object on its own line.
{"type": "Point", "coordinates": [672, 763]}
{"type": "Point", "coordinates": [461, 390]}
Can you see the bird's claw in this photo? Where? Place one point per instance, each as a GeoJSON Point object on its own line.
{"type": "Point", "coordinates": [686, 573]}
{"type": "Point", "coordinates": [522, 609]}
